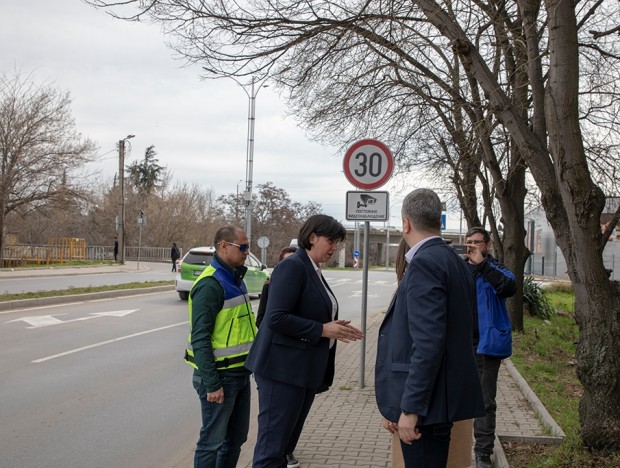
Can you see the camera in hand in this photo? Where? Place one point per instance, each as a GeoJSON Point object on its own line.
{"type": "Point", "coordinates": [460, 249]}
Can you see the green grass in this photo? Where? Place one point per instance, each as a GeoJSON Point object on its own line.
{"type": "Point", "coordinates": [90, 289]}
{"type": "Point", "coordinates": [545, 357]}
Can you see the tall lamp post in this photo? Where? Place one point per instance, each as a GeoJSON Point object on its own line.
{"type": "Point", "coordinates": [121, 184]}
{"type": "Point", "coordinates": [237, 203]}
{"type": "Point", "coordinates": [249, 168]}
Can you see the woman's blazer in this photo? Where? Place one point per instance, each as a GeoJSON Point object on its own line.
{"type": "Point", "coordinates": [289, 347]}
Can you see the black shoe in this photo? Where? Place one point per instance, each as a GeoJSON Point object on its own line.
{"type": "Point", "coordinates": [291, 461]}
{"type": "Point", "coordinates": [483, 461]}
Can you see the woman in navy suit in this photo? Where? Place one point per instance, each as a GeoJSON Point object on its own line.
{"type": "Point", "coordinates": [293, 355]}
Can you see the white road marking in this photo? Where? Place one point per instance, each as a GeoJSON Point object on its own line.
{"type": "Point", "coordinates": [38, 321]}
{"type": "Point", "coordinates": [102, 343]}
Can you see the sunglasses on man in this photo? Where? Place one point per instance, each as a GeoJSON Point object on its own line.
{"type": "Point", "coordinates": [242, 247]}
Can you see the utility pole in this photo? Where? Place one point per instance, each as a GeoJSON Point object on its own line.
{"type": "Point", "coordinates": [121, 182]}
{"type": "Point", "coordinates": [249, 168]}
{"type": "Point", "coordinates": [250, 163]}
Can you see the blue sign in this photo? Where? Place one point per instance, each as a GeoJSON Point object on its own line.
{"type": "Point", "coordinates": [443, 221]}
{"type": "Point", "coordinates": [356, 253]}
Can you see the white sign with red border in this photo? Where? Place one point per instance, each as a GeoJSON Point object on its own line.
{"type": "Point", "coordinates": [368, 164]}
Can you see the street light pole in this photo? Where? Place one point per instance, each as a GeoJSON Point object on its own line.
{"type": "Point", "coordinates": [121, 184]}
{"type": "Point", "coordinates": [237, 203]}
{"type": "Point", "coordinates": [249, 168]}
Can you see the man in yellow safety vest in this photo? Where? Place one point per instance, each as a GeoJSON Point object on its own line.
{"type": "Point", "coordinates": [222, 330]}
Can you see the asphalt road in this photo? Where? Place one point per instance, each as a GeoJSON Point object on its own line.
{"type": "Point", "coordinates": [47, 279]}
{"type": "Point", "coordinates": [102, 383]}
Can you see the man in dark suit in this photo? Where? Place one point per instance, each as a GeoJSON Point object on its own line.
{"type": "Point", "coordinates": [292, 357]}
{"type": "Point", "coordinates": [425, 375]}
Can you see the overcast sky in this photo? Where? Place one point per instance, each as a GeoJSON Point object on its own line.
{"type": "Point", "coordinates": [124, 80]}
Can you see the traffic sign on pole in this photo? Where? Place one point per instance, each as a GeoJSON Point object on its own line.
{"type": "Point", "coordinates": [368, 164]}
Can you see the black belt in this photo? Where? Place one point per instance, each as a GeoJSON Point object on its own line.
{"type": "Point", "coordinates": [230, 361]}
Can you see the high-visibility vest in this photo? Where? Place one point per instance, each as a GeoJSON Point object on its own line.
{"type": "Point", "coordinates": [235, 326]}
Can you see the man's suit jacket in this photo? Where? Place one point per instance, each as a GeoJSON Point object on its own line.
{"type": "Point", "coordinates": [288, 347]}
{"type": "Point", "coordinates": [425, 355]}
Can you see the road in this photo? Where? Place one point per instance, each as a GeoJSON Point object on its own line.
{"type": "Point", "coordinates": [102, 383]}
{"type": "Point", "coordinates": [15, 282]}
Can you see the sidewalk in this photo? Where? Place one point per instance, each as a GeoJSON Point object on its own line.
{"type": "Point", "coordinates": [344, 428]}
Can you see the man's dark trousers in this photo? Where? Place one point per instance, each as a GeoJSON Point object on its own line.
{"type": "Point", "coordinates": [484, 427]}
{"type": "Point", "coordinates": [430, 450]}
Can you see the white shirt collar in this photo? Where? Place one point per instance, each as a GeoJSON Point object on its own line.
{"type": "Point", "coordinates": [413, 250]}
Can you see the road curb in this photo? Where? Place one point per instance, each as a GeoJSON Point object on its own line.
{"type": "Point", "coordinates": [557, 434]}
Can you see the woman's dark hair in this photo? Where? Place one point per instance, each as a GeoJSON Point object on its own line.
{"type": "Point", "coordinates": [401, 261]}
{"type": "Point", "coordinates": [286, 250]}
{"type": "Point", "coordinates": [321, 225]}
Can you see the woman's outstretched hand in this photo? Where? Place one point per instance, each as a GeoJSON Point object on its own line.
{"type": "Point", "coordinates": [341, 330]}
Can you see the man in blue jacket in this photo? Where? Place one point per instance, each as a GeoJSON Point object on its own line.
{"type": "Point", "coordinates": [425, 373]}
{"type": "Point", "coordinates": [494, 283]}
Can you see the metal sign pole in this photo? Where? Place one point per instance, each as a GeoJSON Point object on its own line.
{"type": "Point", "coordinates": [367, 164]}
{"type": "Point", "coordinates": [364, 301]}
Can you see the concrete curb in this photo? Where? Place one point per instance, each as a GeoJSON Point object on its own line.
{"type": "Point", "coordinates": [558, 434]}
{"type": "Point", "coordinates": [45, 301]}
{"type": "Point", "coordinates": [499, 456]}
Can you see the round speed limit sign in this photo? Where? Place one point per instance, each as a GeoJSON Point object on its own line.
{"type": "Point", "coordinates": [368, 164]}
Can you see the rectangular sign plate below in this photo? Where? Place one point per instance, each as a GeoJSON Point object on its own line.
{"type": "Point", "coordinates": [368, 206]}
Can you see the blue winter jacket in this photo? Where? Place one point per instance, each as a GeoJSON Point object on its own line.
{"type": "Point", "coordinates": [494, 283]}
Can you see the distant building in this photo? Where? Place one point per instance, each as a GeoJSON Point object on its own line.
{"type": "Point", "coordinates": [547, 258]}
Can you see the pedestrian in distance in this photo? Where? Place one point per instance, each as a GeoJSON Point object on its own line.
{"type": "Point", "coordinates": [494, 283]}
{"type": "Point", "coordinates": [459, 453]}
{"type": "Point", "coordinates": [262, 305]}
{"type": "Point", "coordinates": [293, 355]}
{"type": "Point", "coordinates": [425, 373]}
{"type": "Point", "coordinates": [115, 248]}
{"type": "Point", "coordinates": [175, 254]}
{"type": "Point", "coordinates": [222, 329]}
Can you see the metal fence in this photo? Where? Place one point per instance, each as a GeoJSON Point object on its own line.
{"type": "Point", "coordinates": [554, 264]}
{"type": "Point", "coordinates": [16, 255]}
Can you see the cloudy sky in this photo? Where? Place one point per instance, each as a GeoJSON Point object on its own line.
{"type": "Point", "coordinates": [124, 80]}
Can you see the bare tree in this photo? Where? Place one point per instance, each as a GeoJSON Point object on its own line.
{"type": "Point", "coordinates": [40, 149]}
{"type": "Point", "coordinates": [274, 216]}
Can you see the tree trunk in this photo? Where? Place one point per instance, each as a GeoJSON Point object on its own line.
{"type": "Point", "coordinates": [596, 303]}
{"type": "Point", "coordinates": [573, 205]}
{"type": "Point", "coordinates": [513, 245]}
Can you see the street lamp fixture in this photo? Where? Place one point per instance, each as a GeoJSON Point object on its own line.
{"type": "Point", "coordinates": [121, 184]}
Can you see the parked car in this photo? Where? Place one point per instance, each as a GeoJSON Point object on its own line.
{"type": "Point", "coordinates": [197, 259]}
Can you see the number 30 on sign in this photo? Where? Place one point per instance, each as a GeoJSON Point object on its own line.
{"type": "Point", "coordinates": [368, 164]}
